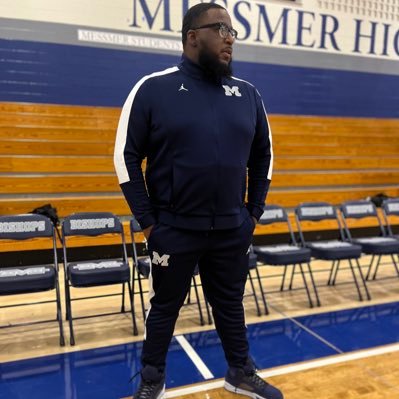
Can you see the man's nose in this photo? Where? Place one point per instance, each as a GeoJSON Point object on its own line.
{"type": "Point", "coordinates": [229, 38]}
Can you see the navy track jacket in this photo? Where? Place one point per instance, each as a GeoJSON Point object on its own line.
{"type": "Point", "coordinates": [200, 138]}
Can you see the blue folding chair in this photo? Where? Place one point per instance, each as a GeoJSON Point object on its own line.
{"type": "Point", "coordinates": [334, 250]}
{"type": "Point", "coordinates": [390, 209]}
{"type": "Point", "coordinates": [18, 280]}
{"type": "Point", "coordinates": [375, 245]}
{"type": "Point", "coordinates": [289, 254]}
{"type": "Point", "coordinates": [99, 272]}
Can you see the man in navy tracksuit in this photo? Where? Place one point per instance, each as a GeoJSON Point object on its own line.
{"type": "Point", "coordinates": [203, 133]}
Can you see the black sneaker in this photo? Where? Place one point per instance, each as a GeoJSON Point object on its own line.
{"type": "Point", "coordinates": [250, 384]}
{"type": "Point", "coordinates": [152, 385]}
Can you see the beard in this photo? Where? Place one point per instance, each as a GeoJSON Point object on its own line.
{"type": "Point", "coordinates": [213, 68]}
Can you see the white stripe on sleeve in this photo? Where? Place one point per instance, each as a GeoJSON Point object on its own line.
{"type": "Point", "coordinates": [121, 134]}
{"type": "Point", "coordinates": [270, 171]}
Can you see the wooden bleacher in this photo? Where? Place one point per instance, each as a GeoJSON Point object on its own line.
{"type": "Point", "coordinates": [63, 155]}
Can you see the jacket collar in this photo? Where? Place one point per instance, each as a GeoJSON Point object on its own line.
{"type": "Point", "coordinates": [194, 70]}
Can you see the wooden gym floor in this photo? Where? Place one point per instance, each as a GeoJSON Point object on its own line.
{"type": "Point", "coordinates": [356, 372]}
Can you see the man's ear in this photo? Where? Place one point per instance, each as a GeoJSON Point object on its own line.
{"type": "Point", "coordinates": [192, 38]}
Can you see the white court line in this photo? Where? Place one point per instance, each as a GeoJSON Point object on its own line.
{"type": "Point", "coordinates": [317, 336]}
{"type": "Point", "coordinates": [307, 329]}
{"type": "Point", "coordinates": [291, 369]}
{"type": "Point", "coordinates": [193, 355]}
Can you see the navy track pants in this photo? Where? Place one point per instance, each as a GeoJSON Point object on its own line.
{"type": "Point", "coordinates": [222, 257]}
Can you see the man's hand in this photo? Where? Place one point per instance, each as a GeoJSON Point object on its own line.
{"type": "Point", "coordinates": [255, 220]}
{"type": "Point", "coordinates": [147, 231]}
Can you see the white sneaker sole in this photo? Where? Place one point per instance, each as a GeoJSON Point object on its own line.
{"type": "Point", "coordinates": [234, 389]}
{"type": "Point", "coordinates": [162, 393]}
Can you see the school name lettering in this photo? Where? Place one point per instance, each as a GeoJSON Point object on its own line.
{"type": "Point", "coordinates": [22, 227]}
{"type": "Point", "coordinates": [271, 24]}
{"type": "Point", "coordinates": [88, 224]}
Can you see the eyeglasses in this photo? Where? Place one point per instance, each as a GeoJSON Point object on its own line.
{"type": "Point", "coordinates": [224, 30]}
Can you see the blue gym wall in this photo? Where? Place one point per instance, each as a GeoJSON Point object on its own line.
{"type": "Point", "coordinates": [281, 49]}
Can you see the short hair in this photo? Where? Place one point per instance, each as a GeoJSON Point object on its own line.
{"type": "Point", "coordinates": [192, 16]}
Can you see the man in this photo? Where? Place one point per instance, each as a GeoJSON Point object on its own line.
{"type": "Point", "coordinates": [200, 129]}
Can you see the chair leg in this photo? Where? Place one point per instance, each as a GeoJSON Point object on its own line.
{"type": "Point", "coordinates": [283, 280]}
{"type": "Point", "coordinates": [141, 296]}
{"type": "Point", "coordinates": [254, 293]}
{"type": "Point", "coordinates": [132, 309]}
{"type": "Point", "coordinates": [66, 294]}
{"type": "Point", "coordinates": [202, 321]}
{"type": "Point", "coordinates": [376, 267]}
{"type": "Point", "coordinates": [208, 312]}
{"type": "Point", "coordinates": [59, 313]}
{"type": "Point", "coordinates": [262, 293]}
{"type": "Point", "coordinates": [188, 298]}
{"type": "Point", "coordinates": [292, 278]}
{"type": "Point", "coordinates": [329, 281]}
{"type": "Point", "coordinates": [363, 279]}
{"type": "Point", "coordinates": [123, 298]}
{"type": "Point", "coordinates": [395, 264]}
{"type": "Point", "coordinates": [334, 280]}
{"type": "Point", "coordinates": [133, 283]}
{"type": "Point", "coordinates": [306, 285]}
{"type": "Point", "coordinates": [355, 280]}
{"type": "Point", "coordinates": [68, 302]}
{"type": "Point", "coordinates": [370, 267]}
{"type": "Point", "coordinates": [314, 285]}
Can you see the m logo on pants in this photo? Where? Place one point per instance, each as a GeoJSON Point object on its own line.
{"type": "Point", "coordinates": [160, 260]}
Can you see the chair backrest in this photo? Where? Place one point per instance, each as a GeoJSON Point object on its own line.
{"type": "Point", "coordinates": [277, 214]}
{"type": "Point", "coordinates": [135, 226]}
{"type": "Point", "coordinates": [92, 224]}
{"type": "Point", "coordinates": [390, 207]}
{"type": "Point", "coordinates": [28, 226]}
{"type": "Point", "coordinates": [273, 214]}
{"type": "Point", "coordinates": [359, 210]}
{"type": "Point", "coordinates": [316, 212]}
{"type": "Point", "coordinates": [23, 227]}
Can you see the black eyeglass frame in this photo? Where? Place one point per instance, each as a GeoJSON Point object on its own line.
{"type": "Point", "coordinates": [222, 28]}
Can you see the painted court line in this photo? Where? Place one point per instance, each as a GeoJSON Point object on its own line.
{"type": "Point", "coordinates": [193, 355]}
{"type": "Point", "coordinates": [319, 337]}
{"type": "Point", "coordinates": [292, 369]}
{"type": "Point", "coordinates": [308, 330]}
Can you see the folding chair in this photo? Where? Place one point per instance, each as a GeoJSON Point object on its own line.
{"type": "Point", "coordinates": [288, 254]}
{"type": "Point", "coordinates": [100, 272]}
{"type": "Point", "coordinates": [335, 250]}
{"type": "Point", "coordinates": [253, 268]}
{"type": "Point", "coordinates": [142, 268]}
{"type": "Point", "coordinates": [17, 280]}
{"type": "Point", "coordinates": [390, 209]}
{"type": "Point", "coordinates": [375, 245]}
